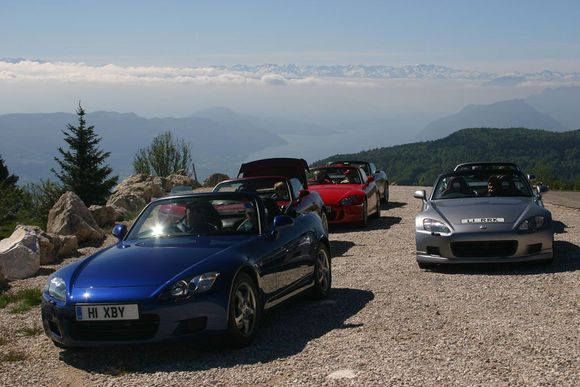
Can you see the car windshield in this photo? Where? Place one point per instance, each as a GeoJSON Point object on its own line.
{"type": "Point", "coordinates": [271, 188]}
{"type": "Point", "coordinates": [197, 215]}
{"type": "Point", "coordinates": [363, 166]}
{"type": "Point", "coordinates": [334, 175]}
{"type": "Point", "coordinates": [498, 183]}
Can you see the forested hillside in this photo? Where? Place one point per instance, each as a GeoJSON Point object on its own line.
{"type": "Point", "coordinates": [553, 157]}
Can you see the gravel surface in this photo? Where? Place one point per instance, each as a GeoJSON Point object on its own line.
{"type": "Point", "coordinates": [386, 322]}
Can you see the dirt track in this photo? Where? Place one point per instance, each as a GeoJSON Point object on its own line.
{"type": "Point", "coordinates": [386, 322]}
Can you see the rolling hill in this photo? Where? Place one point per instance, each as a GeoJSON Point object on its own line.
{"type": "Point", "coordinates": [553, 157]}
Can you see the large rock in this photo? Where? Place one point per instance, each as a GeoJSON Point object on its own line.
{"type": "Point", "coordinates": [179, 179]}
{"type": "Point", "coordinates": [133, 193]}
{"type": "Point", "coordinates": [70, 216]}
{"type": "Point", "coordinates": [106, 215]}
{"type": "Point", "coordinates": [53, 247]}
{"type": "Point", "coordinates": [19, 254]}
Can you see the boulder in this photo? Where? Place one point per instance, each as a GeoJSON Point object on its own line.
{"type": "Point", "coordinates": [178, 179]}
{"type": "Point", "coordinates": [105, 215]}
{"type": "Point", "coordinates": [133, 193]}
{"type": "Point", "coordinates": [70, 216]}
{"type": "Point", "coordinates": [53, 247]}
{"type": "Point", "coordinates": [19, 254]}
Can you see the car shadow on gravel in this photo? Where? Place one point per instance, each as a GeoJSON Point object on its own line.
{"type": "Point", "coordinates": [566, 259]}
{"type": "Point", "coordinates": [391, 205]}
{"type": "Point", "coordinates": [382, 223]}
{"type": "Point", "coordinates": [340, 248]}
{"type": "Point", "coordinates": [285, 331]}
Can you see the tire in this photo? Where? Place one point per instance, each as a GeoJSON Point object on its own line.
{"type": "Point", "coordinates": [385, 198]}
{"type": "Point", "coordinates": [324, 219]}
{"type": "Point", "coordinates": [365, 215]}
{"type": "Point", "coordinates": [425, 266]}
{"type": "Point", "coordinates": [377, 213]}
{"type": "Point", "coordinates": [322, 274]}
{"type": "Point", "coordinates": [244, 311]}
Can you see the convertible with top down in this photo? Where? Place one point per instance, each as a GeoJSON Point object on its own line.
{"type": "Point", "coordinates": [482, 215]}
{"type": "Point", "coordinates": [191, 265]}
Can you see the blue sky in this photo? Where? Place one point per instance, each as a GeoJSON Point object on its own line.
{"type": "Point", "coordinates": [483, 35]}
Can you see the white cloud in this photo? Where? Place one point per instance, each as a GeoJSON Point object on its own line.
{"type": "Point", "coordinates": [35, 71]}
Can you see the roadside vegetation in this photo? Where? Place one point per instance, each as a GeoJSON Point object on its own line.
{"type": "Point", "coordinates": [20, 301]}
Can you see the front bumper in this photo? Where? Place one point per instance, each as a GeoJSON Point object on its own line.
{"type": "Point", "coordinates": [345, 214]}
{"type": "Point", "coordinates": [484, 247]}
{"type": "Point", "coordinates": [159, 321]}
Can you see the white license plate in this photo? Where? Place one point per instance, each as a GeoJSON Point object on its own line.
{"type": "Point", "coordinates": [483, 220]}
{"type": "Point", "coordinates": [107, 312]}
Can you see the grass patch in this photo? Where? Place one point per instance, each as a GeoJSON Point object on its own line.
{"type": "Point", "coordinates": [12, 356]}
{"type": "Point", "coordinates": [31, 331]}
{"type": "Point", "coordinates": [25, 299]}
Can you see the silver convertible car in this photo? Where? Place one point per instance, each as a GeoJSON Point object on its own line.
{"type": "Point", "coordinates": [482, 216]}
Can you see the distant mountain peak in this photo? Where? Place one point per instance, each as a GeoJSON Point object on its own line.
{"type": "Point", "coordinates": [514, 113]}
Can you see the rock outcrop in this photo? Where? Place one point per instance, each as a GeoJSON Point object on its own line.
{"type": "Point", "coordinates": [106, 215]}
{"type": "Point", "coordinates": [70, 216]}
{"type": "Point", "coordinates": [19, 254]}
{"type": "Point", "coordinates": [53, 247]}
{"type": "Point", "coordinates": [135, 192]}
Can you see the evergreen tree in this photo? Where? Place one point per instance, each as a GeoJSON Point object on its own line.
{"type": "Point", "coordinates": [5, 177]}
{"type": "Point", "coordinates": [82, 167]}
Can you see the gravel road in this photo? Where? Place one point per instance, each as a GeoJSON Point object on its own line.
{"type": "Point", "coordinates": [386, 322]}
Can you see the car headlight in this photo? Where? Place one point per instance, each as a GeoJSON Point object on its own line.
{"type": "Point", "coordinates": [350, 200]}
{"type": "Point", "coordinates": [56, 288]}
{"type": "Point", "coordinates": [532, 224]}
{"type": "Point", "coordinates": [435, 226]}
{"type": "Point", "coordinates": [198, 284]}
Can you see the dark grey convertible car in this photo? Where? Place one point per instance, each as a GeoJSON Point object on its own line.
{"type": "Point", "coordinates": [480, 216]}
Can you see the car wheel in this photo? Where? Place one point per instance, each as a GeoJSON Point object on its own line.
{"type": "Point", "coordinates": [377, 213]}
{"type": "Point", "coordinates": [385, 198]}
{"type": "Point", "coordinates": [425, 266]}
{"type": "Point", "coordinates": [244, 313]}
{"type": "Point", "coordinates": [365, 214]}
{"type": "Point", "coordinates": [324, 219]}
{"type": "Point", "coordinates": [322, 274]}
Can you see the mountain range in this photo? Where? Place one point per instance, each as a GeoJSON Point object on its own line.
{"type": "Point", "coordinates": [553, 109]}
{"type": "Point", "coordinates": [358, 71]}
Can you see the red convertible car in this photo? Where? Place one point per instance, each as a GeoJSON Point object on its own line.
{"type": "Point", "coordinates": [279, 181]}
{"type": "Point", "coordinates": [351, 195]}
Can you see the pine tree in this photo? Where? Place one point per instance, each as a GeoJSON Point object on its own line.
{"type": "Point", "coordinates": [5, 177]}
{"type": "Point", "coordinates": [82, 169]}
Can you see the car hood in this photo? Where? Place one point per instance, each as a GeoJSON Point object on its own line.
{"type": "Point", "coordinates": [332, 193]}
{"type": "Point", "coordinates": [286, 167]}
{"type": "Point", "coordinates": [148, 263]}
{"type": "Point", "coordinates": [510, 209]}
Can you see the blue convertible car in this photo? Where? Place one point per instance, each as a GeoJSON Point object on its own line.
{"type": "Point", "coordinates": [191, 265]}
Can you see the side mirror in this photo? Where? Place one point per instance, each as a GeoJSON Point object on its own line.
{"type": "Point", "coordinates": [377, 171]}
{"type": "Point", "coordinates": [119, 231]}
{"type": "Point", "coordinates": [531, 177]}
{"type": "Point", "coordinates": [303, 193]}
{"type": "Point", "coordinates": [420, 194]}
{"type": "Point", "coordinates": [370, 179]}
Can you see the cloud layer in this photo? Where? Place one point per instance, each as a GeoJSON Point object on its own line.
{"type": "Point", "coordinates": [271, 75]}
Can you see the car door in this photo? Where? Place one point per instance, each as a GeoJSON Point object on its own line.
{"type": "Point", "coordinates": [295, 263]}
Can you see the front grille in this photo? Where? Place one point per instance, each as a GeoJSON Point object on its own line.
{"type": "Point", "coordinates": [484, 249]}
{"type": "Point", "coordinates": [142, 329]}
